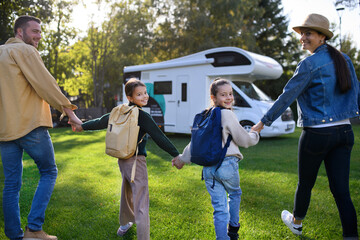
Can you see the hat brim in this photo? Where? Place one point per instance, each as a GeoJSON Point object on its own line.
{"type": "Point", "coordinates": [324, 31]}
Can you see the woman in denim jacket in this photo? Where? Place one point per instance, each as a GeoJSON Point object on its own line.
{"type": "Point", "coordinates": [327, 92]}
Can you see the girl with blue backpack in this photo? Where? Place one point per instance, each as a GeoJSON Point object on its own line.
{"type": "Point", "coordinates": [224, 182]}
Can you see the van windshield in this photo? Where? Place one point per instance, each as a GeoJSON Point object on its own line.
{"type": "Point", "coordinates": [252, 91]}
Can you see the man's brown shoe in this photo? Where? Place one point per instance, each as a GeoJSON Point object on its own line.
{"type": "Point", "coordinates": [38, 235]}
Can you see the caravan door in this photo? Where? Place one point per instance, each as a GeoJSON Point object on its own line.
{"type": "Point", "coordinates": [182, 104]}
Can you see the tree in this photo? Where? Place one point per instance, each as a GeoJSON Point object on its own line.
{"type": "Point", "coordinates": [119, 40]}
{"type": "Point", "coordinates": [348, 48]}
{"type": "Point", "coordinates": [255, 25]}
{"type": "Point", "coordinates": [145, 31]}
{"type": "Point", "coordinates": [53, 39]}
{"type": "Point", "coordinates": [76, 69]}
{"type": "Point", "coordinates": [195, 25]}
{"type": "Point", "coordinates": [98, 44]}
{"type": "Point", "coordinates": [274, 40]}
{"type": "Point", "coordinates": [56, 35]}
{"type": "Point", "coordinates": [347, 3]}
{"type": "Point", "coordinates": [133, 20]}
{"type": "Point", "coordinates": [357, 65]}
{"type": "Point", "coordinates": [130, 42]}
{"type": "Point", "coordinates": [10, 10]}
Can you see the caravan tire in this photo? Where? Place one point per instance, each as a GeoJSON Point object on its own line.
{"type": "Point", "coordinates": [247, 125]}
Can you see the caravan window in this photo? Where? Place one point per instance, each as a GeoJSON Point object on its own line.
{"type": "Point", "coordinates": [129, 75]}
{"type": "Point", "coordinates": [183, 92]}
{"type": "Point", "coordinates": [252, 91]}
{"type": "Point", "coordinates": [163, 87]}
{"type": "Point", "coordinates": [223, 59]}
{"type": "Point", "coordinates": [239, 101]}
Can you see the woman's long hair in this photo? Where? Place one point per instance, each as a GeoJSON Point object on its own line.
{"type": "Point", "coordinates": [341, 69]}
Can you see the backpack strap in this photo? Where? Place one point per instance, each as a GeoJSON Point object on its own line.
{"type": "Point", "coordinates": [224, 150]}
{"type": "Point", "coordinates": [130, 108]}
{"type": "Point", "coordinates": [223, 153]}
{"type": "Point", "coordinates": [133, 169]}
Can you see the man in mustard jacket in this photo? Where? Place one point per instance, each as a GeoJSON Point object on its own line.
{"type": "Point", "coordinates": [26, 90]}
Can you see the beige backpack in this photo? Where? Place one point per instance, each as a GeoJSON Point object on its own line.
{"type": "Point", "coordinates": [122, 133]}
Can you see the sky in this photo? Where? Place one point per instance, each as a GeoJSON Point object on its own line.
{"type": "Point", "coordinates": [295, 10]}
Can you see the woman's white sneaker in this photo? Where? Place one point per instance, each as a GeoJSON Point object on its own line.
{"type": "Point", "coordinates": [288, 219]}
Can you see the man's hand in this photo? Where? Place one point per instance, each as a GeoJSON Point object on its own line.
{"type": "Point", "coordinates": [76, 127]}
{"type": "Point", "coordinates": [74, 121]}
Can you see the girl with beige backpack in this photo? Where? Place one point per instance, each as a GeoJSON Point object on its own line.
{"type": "Point", "coordinates": [134, 204]}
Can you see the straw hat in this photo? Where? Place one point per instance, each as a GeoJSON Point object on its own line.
{"type": "Point", "coordinates": [316, 22]}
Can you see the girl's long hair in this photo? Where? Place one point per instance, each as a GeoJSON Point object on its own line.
{"type": "Point", "coordinates": [341, 69]}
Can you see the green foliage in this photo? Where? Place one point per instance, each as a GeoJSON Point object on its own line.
{"type": "Point", "coordinates": [275, 41]}
{"type": "Point", "coordinates": [347, 3]}
{"type": "Point", "coordinates": [132, 22]}
{"type": "Point", "coordinates": [10, 10]}
{"type": "Point", "coordinates": [85, 202]}
{"type": "Point", "coordinates": [77, 78]}
{"type": "Point", "coordinates": [121, 41]}
{"type": "Point", "coordinates": [192, 26]}
{"type": "Point", "coordinates": [349, 49]}
{"type": "Point", "coordinates": [257, 26]}
{"type": "Point", "coordinates": [57, 38]}
{"type": "Point", "coordinates": [147, 31]}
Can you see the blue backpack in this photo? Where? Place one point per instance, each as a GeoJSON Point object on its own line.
{"type": "Point", "coordinates": [206, 139]}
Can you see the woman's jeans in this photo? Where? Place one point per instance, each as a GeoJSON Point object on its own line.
{"type": "Point", "coordinates": [227, 182]}
{"type": "Point", "coordinates": [332, 145]}
{"type": "Point", "coordinates": [38, 145]}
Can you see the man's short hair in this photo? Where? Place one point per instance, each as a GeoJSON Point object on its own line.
{"type": "Point", "coordinates": [21, 22]}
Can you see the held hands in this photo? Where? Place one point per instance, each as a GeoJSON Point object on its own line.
{"type": "Point", "coordinates": [76, 127]}
{"type": "Point", "coordinates": [75, 124]}
{"type": "Point", "coordinates": [74, 121]}
{"type": "Point", "coordinates": [258, 127]}
{"type": "Point", "coordinates": [177, 162]}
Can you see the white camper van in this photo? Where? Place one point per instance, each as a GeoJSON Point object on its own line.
{"type": "Point", "coordinates": [179, 88]}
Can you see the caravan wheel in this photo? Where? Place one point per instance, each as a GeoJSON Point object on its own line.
{"type": "Point", "coordinates": [247, 125]}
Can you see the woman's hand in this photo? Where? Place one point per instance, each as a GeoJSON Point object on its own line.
{"type": "Point", "coordinates": [258, 127]}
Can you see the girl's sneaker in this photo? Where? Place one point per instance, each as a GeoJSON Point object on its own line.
{"type": "Point", "coordinates": [288, 219]}
{"type": "Point", "coordinates": [123, 229]}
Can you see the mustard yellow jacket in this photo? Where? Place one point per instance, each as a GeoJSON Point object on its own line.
{"type": "Point", "coordinates": [26, 90]}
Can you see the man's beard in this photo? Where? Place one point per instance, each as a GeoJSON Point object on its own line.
{"type": "Point", "coordinates": [28, 39]}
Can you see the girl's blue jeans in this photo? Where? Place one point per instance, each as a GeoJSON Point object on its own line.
{"type": "Point", "coordinates": [331, 145]}
{"type": "Point", "coordinates": [37, 144]}
{"type": "Point", "coordinates": [226, 189]}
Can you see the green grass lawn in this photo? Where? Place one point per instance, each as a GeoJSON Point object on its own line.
{"type": "Point", "coordinates": [85, 202]}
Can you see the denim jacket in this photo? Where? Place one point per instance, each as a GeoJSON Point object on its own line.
{"type": "Point", "coordinates": [314, 86]}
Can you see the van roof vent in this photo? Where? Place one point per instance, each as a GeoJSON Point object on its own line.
{"type": "Point", "coordinates": [222, 59]}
